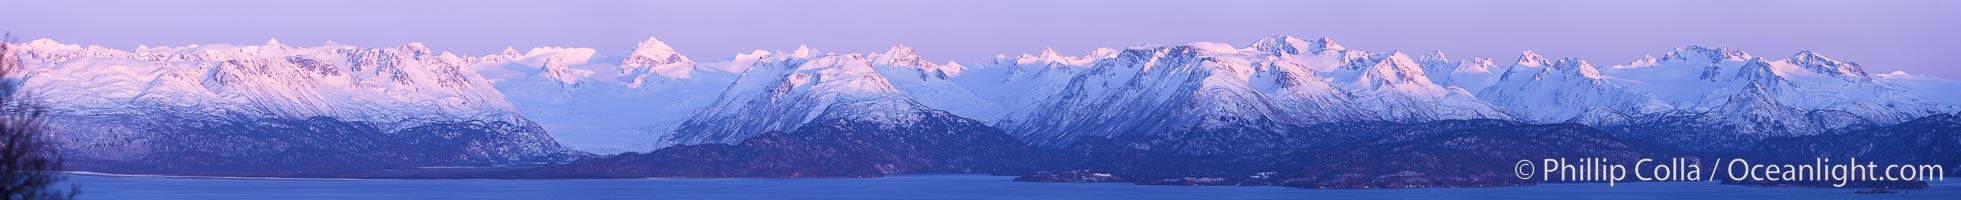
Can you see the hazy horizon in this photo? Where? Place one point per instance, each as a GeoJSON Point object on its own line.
{"type": "Point", "coordinates": [1883, 36]}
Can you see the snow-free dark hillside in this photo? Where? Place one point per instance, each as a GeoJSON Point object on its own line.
{"type": "Point", "coordinates": [1449, 153]}
{"type": "Point", "coordinates": [853, 138]}
{"type": "Point", "coordinates": [1928, 140]}
{"type": "Point", "coordinates": [313, 147]}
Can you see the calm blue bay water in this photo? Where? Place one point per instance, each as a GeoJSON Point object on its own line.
{"type": "Point", "coordinates": [902, 187]}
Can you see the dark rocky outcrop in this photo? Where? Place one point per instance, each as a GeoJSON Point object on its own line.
{"type": "Point", "coordinates": [1076, 176]}
{"type": "Point", "coordinates": [1928, 140]}
{"type": "Point", "coordinates": [1455, 153]}
{"type": "Point", "coordinates": [843, 142]}
{"type": "Point", "coordinates": [326, 147]}
{"type": "Point", "coordinates": [1466, 158]}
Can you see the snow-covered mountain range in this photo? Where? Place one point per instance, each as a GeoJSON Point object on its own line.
{"type": "Point", "coordinates": [271, 80]}
{"type": "Point", "coordinates": [158, 108]}
{"type": "Point", "coordinates": [610, 102]}
{"type": "Point", "coordinates": [783, 90]}
{"type": "Point", "coordinates": [1801, 95]}
{"type": "Point", "coordinates": [651, 96]}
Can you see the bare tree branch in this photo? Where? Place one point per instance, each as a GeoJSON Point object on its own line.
{"type": "Point", "coordinates": [28, 161]}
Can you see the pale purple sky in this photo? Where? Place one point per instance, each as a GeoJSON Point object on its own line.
{"type": "Point", "coordinates": [1914, 36]}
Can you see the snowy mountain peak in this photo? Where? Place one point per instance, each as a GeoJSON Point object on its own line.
{"type": "Point", "coordinates": [1707, 54]}
{"type": "Point", "coordinates": [1646, 60]}
{"type": "Point", "coordinates": [1048, 53]}
{"type": "Point", "coordinates": [558, 70]}
{"type": "Point", "coordinates": [1140, 89]}
{"type": "Point", "coordinates": [803, 51]}
{"type": "Point", "coordinates": [784, 91]}
{"type": "Point", "coordinates": [651, 54]}
{"type": "Point", "coordinates": [1279, 45]}
{"type": "Point", "coordinates": [1435, 63]}
{"type": "Point", "coordinates": [1289, 45]}
{"type": "Point", "coordinates": [1820, 64]}
{"type": "Point", "coordinates": [1531, 59]}
{"type": "Point", "coordinates": [1393, 68]}
{"type": "Point", "coordinates": [50, 44]}
{"type": "Point", "coordinates": [843, 74]}
{"type": "Point", "coordinates": [1759, 70]}
{"type": "Point", "coordinates": [1049, 58]}
{"type": "Point", "coordinates": [1472, 74]}
{"type": "Point", "coordinates": [1576, 66]}
{"type": "Point", "coordinates": [1528, 62]}
{"type": "Point", "coordinates": [899, 55]}
{"type": "Point", "coordinates": [417, 47]}
{"type": "Point", "coordinates": [904, 57]}
{"type": "Point", "coordinates": [387, 85]}
{"type": "Point", "coordinates": [1324, 44]}
{"type": "Point", "coordinates": [1476, 65]}
{"type": "Point", "coordinates": [510, 52]}
{"type": "Point", "coordinates": [653, 45]}
{"type": "Point", "coordinates": [1808, 54]}
{"type": "Point", "coordinates": [1434, 56]}
{"type": "Point", "coordinates": [900, 49]}
{"type": "Point", "coordinates": [1044, 63]}
{"type": "Point", "coordinates": [653, 57]}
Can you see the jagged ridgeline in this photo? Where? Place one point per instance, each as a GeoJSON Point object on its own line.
{"type": "Point", "coordinates": [276, 110]}
{"type": "Point", "coordinates": [1295, 112]}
